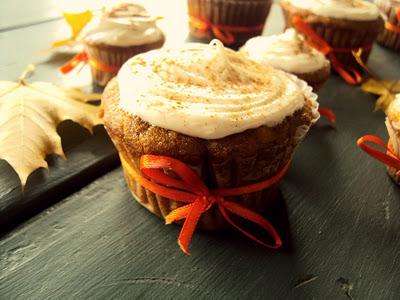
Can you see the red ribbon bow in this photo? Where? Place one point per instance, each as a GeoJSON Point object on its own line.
{"type": "Point", "coordinates": [190, 189]}
{"type": "Point", "coordinates": [82, 57]}
{"type": "Point", "coordinates": [389, 158]}
{"type": "Point", "coordinates": [222, 32]}
{"type": "Point", "coordinates": [349, 74]}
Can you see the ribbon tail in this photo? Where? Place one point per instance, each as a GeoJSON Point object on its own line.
{"type": "Point", "coordinates": [74, 62]}
{"type": "Point", "coordinates": [327, 113]}
{"type": "Point", "coordinates": [178, 214]}
{"type": "Point", "coordinates": [189, 226]}
{"type": "Point", "coordinates": [388, 159]}
{"type": "Point", "coordinates": [226, 37]}
{"type": "Point", "coordinates": [247, 214]}
{"type": "Point", "coordinates": [351, 75]}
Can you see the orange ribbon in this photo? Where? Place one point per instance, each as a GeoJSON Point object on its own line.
{"type": "Point", "coordinates": [389, 158]}
{"type": "Point", "coordinates": [349, 74]}
{"type": "Point", "coordinates": [327, 113]}
{"type": "Point", "coordinates": [82, 57]}
{"type": "Point", "coordinates": [190, 189]}
{"type": "Point", "coordinates": [222, 32]}
{"type": "Point", "coordinates": [392, 27]}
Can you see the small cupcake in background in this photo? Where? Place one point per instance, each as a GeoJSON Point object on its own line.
{"type": "Point", "coordinates": [342, 25]}
{"type": "Point", "coordinates": [289, 52]}
{"type": "Point", "coordinates": [121, 31]}
{"type": "Point", "coordinates": [233, 22]}
{"type": "Point", "coordinates": [390, 10]}
{"type": "Point", "coordinates": [391, 155]}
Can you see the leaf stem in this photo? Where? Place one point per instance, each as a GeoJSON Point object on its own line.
{"type": "Point", "coordinates": [26, 73]}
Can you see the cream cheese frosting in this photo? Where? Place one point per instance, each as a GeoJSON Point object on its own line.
{"type": "Point", "coordinates": [342, 9]}
{"type": "Point", "coordinates": [208, 91]}
{"type": "Point", "coordinates": [286, 51]}
{"type": "Point", "coordinates": [123, 24]}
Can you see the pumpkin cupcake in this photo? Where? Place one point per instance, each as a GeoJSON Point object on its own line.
{"type": "Point", "coordinates": [118, 33]}
{"type": "Point", "coordinates": [231, 21]}
{"type": "Point", "coordinates": [289, 52]}
{"type": "Point", "coordinates": [345, 25]}
{"type": "Point", "coordinates": [233, 121]}
{"type": "Point", "coordinates": [390, 10]}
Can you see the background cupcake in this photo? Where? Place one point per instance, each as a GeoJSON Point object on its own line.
{"type": "Point", "coordinates": [390, 9]}
{"type": "Point", "coordinates": [231, 21]}
{"type": "Point", "coordinates": [119, 32]}
{"type": "Point", "coordinates": [393, 126]}
{"type": "Point", "coordinates": [289, 52]}
{"type": "Point", "coordinates": [234, 121]}
{"type": "Point", "coordinates": [345, 25]}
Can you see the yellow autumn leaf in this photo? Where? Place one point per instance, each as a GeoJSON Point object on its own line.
{"type": "Point", "coordinates": [386, 89]}
{"type": "Point", "coordinates": [29, 115]}
{"type": "Point", "coordinates": [76, 22]}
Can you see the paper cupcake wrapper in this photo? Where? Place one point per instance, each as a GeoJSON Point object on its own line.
{"type": "Point", "coordinates": [115, 57]}
{"type": "Point", "coordinates": [212, 219]}
{"type": "Point", "coordinates": [339, 37]}
{"type": "Point", "coordinates": [388, 37]}
{"type": "Point", "coordinates": [394, 141]}
{"type": "Point", "coordinates": [244, 13]}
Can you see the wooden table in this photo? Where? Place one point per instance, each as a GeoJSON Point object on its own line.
{"type": "Point", "coordinates": [76, 233]}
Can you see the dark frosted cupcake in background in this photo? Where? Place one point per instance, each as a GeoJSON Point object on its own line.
{"type": "Point", "coordinates": [233, 121]}
{"type": "Point", "coordinates": [119, 32]}
{"type": "Point", "coordinates": [390, 10]}
{"type": "Point", "coordinates": [345, 25]}
{"type": "Point", "coordinates": [289, 52]}
{"type": "Point", "coordinates": [231, 21]}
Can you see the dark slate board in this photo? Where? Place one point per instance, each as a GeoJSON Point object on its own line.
{"type": "Point", "coordinates": [87, 157]}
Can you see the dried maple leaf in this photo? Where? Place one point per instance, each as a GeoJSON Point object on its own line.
{"type": "Point", "coordinates": [76, 22]}
{"type": "Point", "coordinates": [386, 89]}
{"type": "Point", "coordinates": [29, 115]}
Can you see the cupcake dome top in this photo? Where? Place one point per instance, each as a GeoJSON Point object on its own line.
{"type": "Point", "coordinates": [286, 51]}
{"type": "Point", "coordinates": [208, 91]}
{"type": "Point", "coordinates": [342, 9]}
{"type": "Point", "coordinates": [122, 24]}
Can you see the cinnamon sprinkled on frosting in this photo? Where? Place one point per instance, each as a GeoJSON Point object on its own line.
{"type": "Point", "coordinates": [208, 91]}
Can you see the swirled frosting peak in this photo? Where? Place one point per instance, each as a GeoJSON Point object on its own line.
{"type": "Point", "coordinates": [286, 51]}
{"type": "Point", "coordinates": [122, 24]}
{"type": "Point", "coordinates": [341, 9]}
{"type": "Point", "coordinates": [207, 91]}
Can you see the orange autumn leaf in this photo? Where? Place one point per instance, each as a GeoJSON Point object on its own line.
{"type": "Point", "coordinates": [29, 115]}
